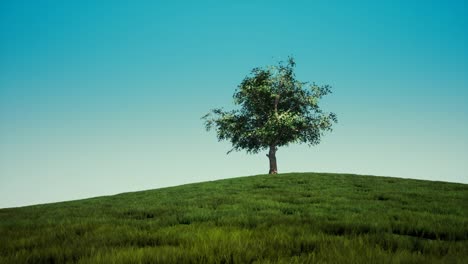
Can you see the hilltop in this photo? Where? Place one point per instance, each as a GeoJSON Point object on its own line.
{"type": "Point", "coordinates": [285, 218]}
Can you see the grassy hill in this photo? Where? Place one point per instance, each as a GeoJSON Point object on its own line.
{"type": "Point", "coordinates": [286, 218]}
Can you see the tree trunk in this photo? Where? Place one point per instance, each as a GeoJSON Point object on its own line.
{"type": "Point", "coordinates": [272, 154]}
{"type": "Point", "coordinates": [272, 157]}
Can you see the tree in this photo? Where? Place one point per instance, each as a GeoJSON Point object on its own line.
{"type": "Point", "coordinates": [274, 110]}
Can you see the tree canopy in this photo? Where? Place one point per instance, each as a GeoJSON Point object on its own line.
{"type": "Point", "coordinates": [274, 110]}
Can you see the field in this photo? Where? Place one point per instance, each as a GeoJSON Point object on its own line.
{"type": "Point", "coordinates": [286, 218]}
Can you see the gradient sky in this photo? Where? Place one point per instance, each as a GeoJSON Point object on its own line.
{"type": "Point", "coordinates": [103, 97]}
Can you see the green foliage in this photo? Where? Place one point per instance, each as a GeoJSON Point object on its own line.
{"type": "Point", "coordinates": [275, 109]}
{"type": "Point", "coordinates": [292, 218]}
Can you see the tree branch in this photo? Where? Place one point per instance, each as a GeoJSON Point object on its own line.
{"type": "Point", "coordinates": [276, 103]}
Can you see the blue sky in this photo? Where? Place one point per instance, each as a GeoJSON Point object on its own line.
{"type": "Point", "coordinates": [103, 97]}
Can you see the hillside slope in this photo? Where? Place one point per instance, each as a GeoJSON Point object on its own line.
{"type": "Point", "coordinates": [286, 218]}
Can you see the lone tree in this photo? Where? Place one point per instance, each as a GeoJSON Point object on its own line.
{"type": "Point", "coordinates": [274, 110]}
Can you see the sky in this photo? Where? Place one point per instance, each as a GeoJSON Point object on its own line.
{"type": "Point", "coordinates": [104, 97]}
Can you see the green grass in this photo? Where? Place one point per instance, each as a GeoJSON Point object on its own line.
{"type": "Point", "coordinates": [286, 218]}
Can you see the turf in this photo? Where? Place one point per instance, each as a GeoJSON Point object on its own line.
{"type": "Point", "coordinates": [286, 218]}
